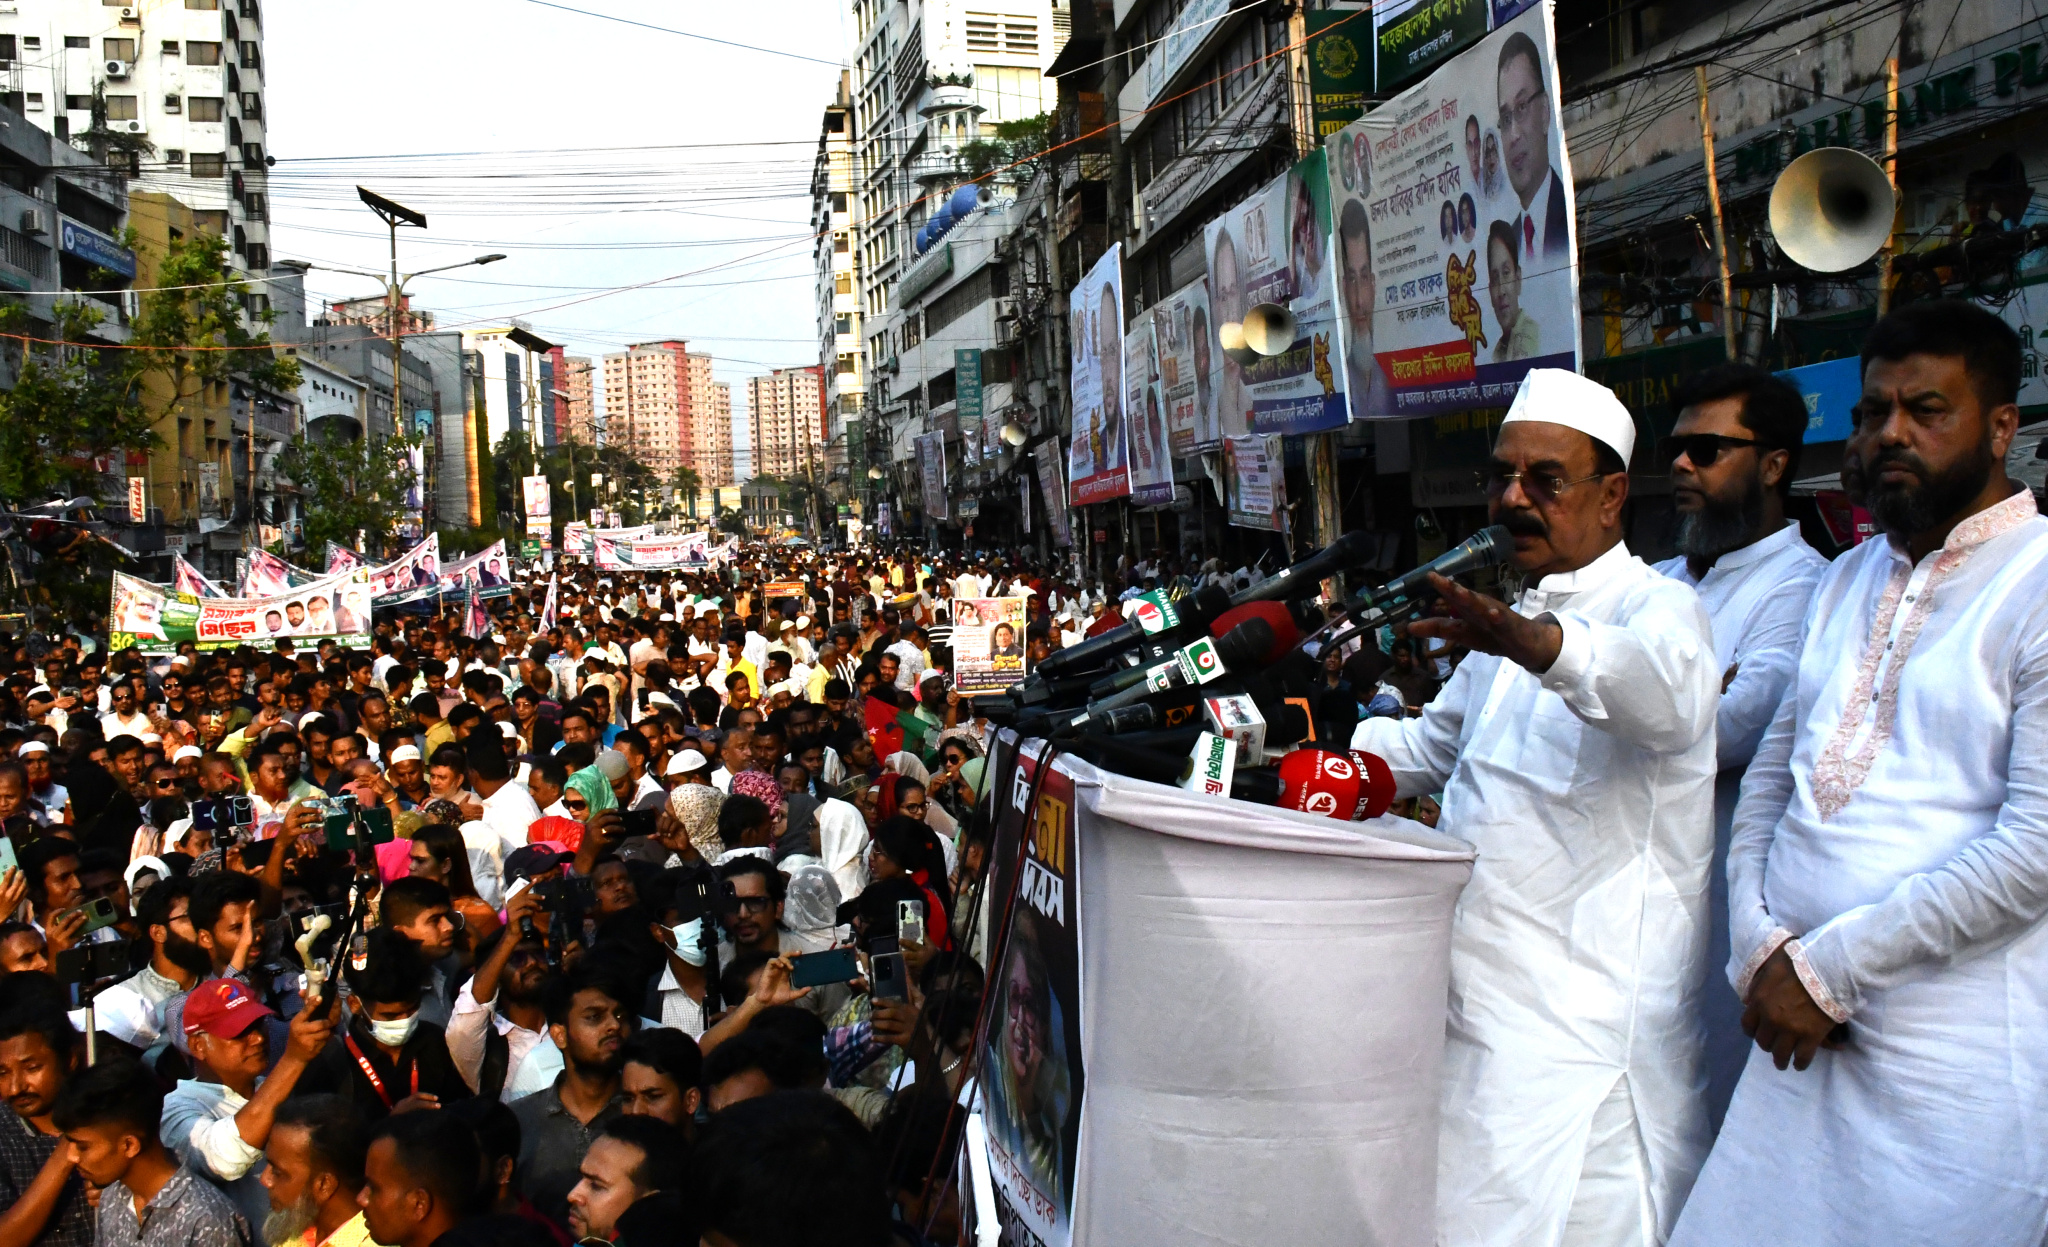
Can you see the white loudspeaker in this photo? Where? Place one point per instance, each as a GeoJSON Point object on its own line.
{"type": "Point", "coordinates": [1269, 329]}
{"type": "Point", "coordinates": [1832, 209]}
{"type": "Point", "coordinates": [1230, 336]}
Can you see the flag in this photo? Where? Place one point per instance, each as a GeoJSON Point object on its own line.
{"type": "Point", "coordinates": [547, 610]}
{"type": "Point", "coordinates": [185, 578]}
{"type": "Point", "coordinates": [476, 623]}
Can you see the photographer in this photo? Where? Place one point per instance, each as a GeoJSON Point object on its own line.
{"type": "Point", "coordinates": [388, 1060]}
{"type": "Point", "coordinates": [500, 1016]}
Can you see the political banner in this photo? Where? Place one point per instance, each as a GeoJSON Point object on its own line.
{"type": "Point", "coordinates": [159, 620]}
{"type": "Point", "coordinates": [186, 578]}
{"type": "Point", "coordinates": [533, 493]}
{"type": "Point", "coordinates": [1151, 461]}
{"type": "Point", "coordinates": [1455, 232]}
{"type": "Point", "coordinates": [616, 553]}
{"type": "Point", "coordinates": [416, 572]}
{"type": "Point", "coordinates": [476, 621]}
{"type": "Point", "coordinates": [488, 572]}
{"type": "Point", "coordinates": [1098, 462]}
{"type": "Point", "coordinates": [267, 575]}
{"type": "Point", "coordinates": [1052, 488]}
{"type": "Point", "coordinates": [988, 644]}
{"type": "Point", "coordinates": [931, 472]}
{"type": "Point", "coordinates": [1411, 37]}
{"type": "Point", "coordinates": [1185, 347]}
{"type": "Point", "coordinates": [342, 559]}
{"type": "Point", "coordinates": [1256, 482]}
{"type": "Point", "coordinates": [576, 535]}
{"type": "Point", "coordinates": [1031, 1066]}
{"type": "Point", "coordinates": [1275, 248]}
{"type": "Point", "coordinates": [967, 404]}
{"type": "Point", "coordinates": [548, 607]}
{"type": "Point", "coordinates": [1340, 67]}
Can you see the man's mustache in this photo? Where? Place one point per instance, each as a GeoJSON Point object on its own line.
{"type": "Point", "coordinates": [1895, 455]}
{"type": "Point", "coordinates": [1523, 523]}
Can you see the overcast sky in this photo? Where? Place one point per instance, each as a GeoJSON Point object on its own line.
{"type": "Point", "coordinates": [587, 157]}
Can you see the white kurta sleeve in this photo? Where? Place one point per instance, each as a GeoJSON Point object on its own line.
{"type": "Point", "coordinates": [1753, 935]}
{"type": "Point", "coordinates": [212, 1145]}
{"type": "Point", "coordinates": [1650, 681]}
{"type": "Point", "coordinates": [1423, 752]}
{"type": "Point", "coordinates": [1984, 895]}
{"type": "Point", "coordinates": [1764, 669]}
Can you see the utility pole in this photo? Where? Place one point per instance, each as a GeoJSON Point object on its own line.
{"type": "Point", "coordinates": [1891, 173]}
{"type": "Point", "coordinates": [1714, 206]}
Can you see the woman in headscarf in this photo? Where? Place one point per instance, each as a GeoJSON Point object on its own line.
{"type": "Point", "coordinates": [905, 847]}
{"type": "Point", "coordinates": [588, 793]}
{"type": "Point", "coordinates": [764, 788]}
{"type": "Point", "coordinates": [843, 845]}
{"type": "Point", "coordinates": [957, 787]}
{"type": "Point", "coordinates": [696, 807]}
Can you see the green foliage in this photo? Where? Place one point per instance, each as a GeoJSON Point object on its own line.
{"type": "Point", "coordinates": [1014, 152]}
{"type": "Point", "coordinates": [731, 521]}
{"type": "Point", "coordinates": [351, 486]}
{"type": "Point", "coordinates": [191, 333]}
{"type": "Point", "coordinates": [569, 461]}
{"type": "Point", "coordinates": [69, 403]}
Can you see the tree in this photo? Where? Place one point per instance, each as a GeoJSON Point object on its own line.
{"type": "Point", "coordinates": [352, 485]}
{"type": "Point", "coordinates": [689, 484]}
{"type": "Point", "coordinates": [731, 521]}
{"type": "Point", "coordinates": [1013, 152]}
{"type": "Point", "coordinates": [193, 330]}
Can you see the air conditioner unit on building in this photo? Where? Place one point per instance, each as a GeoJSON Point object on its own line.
{"type": "Point", "coordinates": [119, 69]}
{"type": "Point", "coordinates": [134, 127]}
{"type": "Point", "coordinates": [32, 223]}
{"type": "Point", "coordinates": [127, 15]}
{"type": "Point", "coordinates": [1008, 332]}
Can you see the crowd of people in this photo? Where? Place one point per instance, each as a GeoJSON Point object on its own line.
{"type": "Point", "coordinates": [507, 938]}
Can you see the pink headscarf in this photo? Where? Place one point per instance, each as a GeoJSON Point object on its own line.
{"type": "Point", "coordinates": [761, 786]}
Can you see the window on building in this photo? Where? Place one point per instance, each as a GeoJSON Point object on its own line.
{"type": "Point", "coordinates": [77, 41]}
{"type": "Point", "coordinates": [211, 222]}
{"type": "Point", "coordinates": [209, 164]}
{"type": "Point", "coordinates": [198, 52]}
{"type": "Point", "coordinates": [78, 103]}
{"type": "Point", "coordinates": [202, 4]}
{"type": "Point", "coordinates": [252, 55]}
{"type": "Point", "coordinates": [173, 48]}
{"type": "Point", "coordinates": [173, 105]}
{"type": "Point", "coordinates": [123, 107]}
{"type": "Point", "coordinates": [118, 49]}
{"type": "Point", "coordinates": [172, 156]}
{"type": "Point", "coordinates": [32, 43]}
{"type": "Point", "coordinates": [842, 324]}
{"type": "Point", "coordinates": [252, 105]}
{"type": "Point", "coordinates": [34, 102]}
{"type": "Point", "coordinates": [843, 284]}
{"type": "Point", "coordinates": [838, 201]}
{"type": "Point", "coordinates": [205, 108]}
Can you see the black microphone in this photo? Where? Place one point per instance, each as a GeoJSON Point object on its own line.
{"type": "Point", "coordinates": [1194, 616]}
{"type": "Point", "coordinates": [1243, 648]}
{"type": "Point", "coordinates": [1490, 545]}
{"type": "Point", "coordinates": [1306, 577]}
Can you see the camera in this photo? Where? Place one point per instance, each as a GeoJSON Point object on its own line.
{"type": "Point", "coordinates": [577, 892]}
{"type": "Point", "coordinates": [85, 964]}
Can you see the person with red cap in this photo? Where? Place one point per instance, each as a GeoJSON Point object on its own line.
{"type": "Point", "coordinates": [218, 1122]}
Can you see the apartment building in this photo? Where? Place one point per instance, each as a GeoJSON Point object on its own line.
{"type": "Point", "coordinates": [661, 406]}
{"type": "Point", "coordinates": [173, 92]}
{"type": "Point", "coordinates": [837, 262]}
{"type": "Point", "coordinates": [585, 422]}
{"type": "Point", "coordinates": [785, 419]}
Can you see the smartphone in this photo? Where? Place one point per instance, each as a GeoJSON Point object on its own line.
{"type": "Point", "coordinates": [890, 980]}
{"type": "Point", "coordinates": [909, 922]}
{"type": "Point", "coordinates": [7, 859]}
{"type": "Point", "coordinates": [834, 965]}
{"type": "Point", "coordinates": [98, 913]}
{"type": "Point", "coordinates": [639, 822]}
{"type": "Point", "coordinates": [339, 824]}
{"type": "Point", "coordinates": [241, 812]}
{"type": "Point", "coordinates": [376, 825]}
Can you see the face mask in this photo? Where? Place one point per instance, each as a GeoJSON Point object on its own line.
{"type": "Point", "coordinates": [394, 1033]}
{"type": "Point", "coordinates": [689, 941]}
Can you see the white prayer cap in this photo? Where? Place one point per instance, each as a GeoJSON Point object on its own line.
{"type": "Point", "coordinates": [1555, 396]}
{"type": "Point", "coordinates": [151, 738]}
{"type": "Point", "coordinates": [404, 753]}
{"type": "Point", "coordinates": [187, 751]}
{"type": "Point", "coordinates": [509, 728]}
{"type": "Point", "coordinates": [803, 623]}
{"type": "Point", "coordinates": [31, 747]}
{"type": "Point", "coordinates": [685, 761]}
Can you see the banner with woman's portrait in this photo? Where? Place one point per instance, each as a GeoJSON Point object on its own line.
{"type": "Point", "coordinates": [988, 644]}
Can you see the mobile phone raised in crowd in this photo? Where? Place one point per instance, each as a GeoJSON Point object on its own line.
{"type": "Point", "coordinates": [8, 861]}
{"type": "Point", "coordinates": [890, 979]}
{"type": "Point", "coordinates": [241, 812]}
{"type": "Point", "coordinates": [834, 965]}
{"type": "Point", "coordinates": [909, 922]}
{"type": "Point", "coordinates": [99, 912]}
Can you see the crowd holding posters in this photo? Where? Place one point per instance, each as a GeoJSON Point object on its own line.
{"type": "Point", "coordinates": [1455, 232]}
{"type": "Point", "coordinates": [1254, 483]}
{"type": "Point", "coordinates": [1151, 462]}
{"type": "Point", "coordinates": [988, 644]}
{"type": "Point", "coordinates": [417, 570]}
{"type": "Point", "coordinates": [489, 572]}
{"type": "Point", "coordinates": [1098, 463]}
{"type": "Point", "coordinates": [1033, 1056]}
{"type": "Point", "coordinates": [1188, 368]}
{"type": "Point", "coordinates": [159, 619]}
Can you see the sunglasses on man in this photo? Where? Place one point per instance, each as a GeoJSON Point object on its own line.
{"type": "Point", "coordinates": [1702, 448]}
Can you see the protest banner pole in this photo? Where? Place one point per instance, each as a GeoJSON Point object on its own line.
{"type": "Point", "coordinates": [1714, 206]}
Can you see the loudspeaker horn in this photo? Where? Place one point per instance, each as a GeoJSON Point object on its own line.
{"type": "Point", "coordinates": [1230, 337]}
{"type": "Point", "coordinates": [1269, 329]}
{"type": "Point", "coordinates": [1832, 209]}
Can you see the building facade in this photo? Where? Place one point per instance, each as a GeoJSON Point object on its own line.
{"type": "Point", "coordinates": [172, 92]}
{"type": "Point", "coordinates": [785, 421]}
{"type": "Point", "coordinates": [585, 424]}
{"type": "Point", "coordinates": [838, 283]}
{"type": "Point", "coordinates": [661, 406]}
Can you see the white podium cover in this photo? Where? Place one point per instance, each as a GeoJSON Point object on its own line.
{"type": "Point", "coordinates": [1263, 1003]}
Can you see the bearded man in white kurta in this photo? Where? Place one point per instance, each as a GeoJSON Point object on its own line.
{"type": "Point", "coordinates": [1575, 748]}
{"type": "Point", "coordinates": [1888, 878]}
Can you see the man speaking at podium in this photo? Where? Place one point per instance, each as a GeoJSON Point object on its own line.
{"type": "Point", "coordinates": [1575, 750]}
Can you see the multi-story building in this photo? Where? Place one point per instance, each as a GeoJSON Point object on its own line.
{"type": "Point", "coordinates": [739, 445]}
{"type": "Point", "coordinates": [585, 424]}
{"type": "Point", "coordinates": [785, 419]}
{"type": "Point", "coordinates": [171, 92]}
{"type": "Point", "coordinates": [743, 439]}
{"type": "Point", "coordinates": [838, 282]}
{"type": "Point", "coordinates": [661, 406]}
{"type": "Point", "coordinates": [710, 431]}
{"type": "Point", "coordinates": [514, 400]}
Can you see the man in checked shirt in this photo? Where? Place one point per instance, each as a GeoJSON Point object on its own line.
{"type": "Point", "coordinates": [109, 1117]}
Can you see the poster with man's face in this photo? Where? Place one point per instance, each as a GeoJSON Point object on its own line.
{"type": "Point", "coordinates": [1455, 232]}
{"type": "Point", "coordinates": [1097, 465]}
{"type": "Point", "coordinates": [1188, 376]}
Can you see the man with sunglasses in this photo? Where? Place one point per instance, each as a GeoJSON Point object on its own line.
{"type": "Point", "coordinates": [1733, 453]}
{"type": "Point", "coordinates": [1574, 748]}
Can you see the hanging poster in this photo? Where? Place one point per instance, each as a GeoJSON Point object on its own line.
{"type": "Point", "coordinates": [1098, 470]}
{"type": "Point", "coordinates": [417, 571]}
{"type": "Point", "coordinates": [1253, 469]}
{"type": "Point", "coordinates": [534, 499]}
{"type": "Point", "coordinates": [342, 559]}
{"type": "Point", "coordinates": [186, 578]}
{"type": "Point", "coordinates": [158, 620]}
{"type": "Point", "coordinates": [488, 572]}
{"type": "Point", "coordinates": [988, 644]}
{"type": "Point", "coordinates": [1032, 1076]}
{"type": "Point", "coordinates": [967, 405]}
{"type": "Point", "coordinates": [1455, 232]}
{"type": "Point", "coordinates": [1188, 368]}
{"type": "Point", "coordinates": [931, 469]}
{"type": "Point", "coordinates": [1415, 36]}
{"type": "Point", "coordinates": [1052, 487]}
{"type": "Point", "coordinates": [652, 550]}
{"type": "Point", "coordinates": [1340, 67]}
{"type": "Point", "coordinates": [1151, 462]}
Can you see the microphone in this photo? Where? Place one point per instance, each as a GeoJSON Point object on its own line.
{"type": "Point", "coordinates": [1183, 618]}
{"type": "Point", "coordinates": [1274, 613]}
{"type": "Point", "coordinates": [1350, 786]}
{"type": "Point", "coordinates": [1252, 644]}
{"type": "Point", "coordinates": [1485, 548]}
{"type": "Point", "coordinates": [1306, 577]}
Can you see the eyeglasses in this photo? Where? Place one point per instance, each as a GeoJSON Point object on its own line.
{"type": "Point", "coordinates": [1701, 448]}
{"type": "Point", "coordinates": [1542, 487]}
{"type": "Point", "coordinates": [753, 904]}
{"type": "Point", "coordinates": [914, 805]}
{"type": "Point", "coordinates": [1521, 112]}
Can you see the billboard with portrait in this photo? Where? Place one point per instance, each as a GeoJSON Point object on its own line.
{"type": "Point", "coordinates": [416, 572]}
{"type": "Point", "coordinates": [1185, 347]}
{"type": "Point", "coordinates": [1255, 481]}
{"type": "Point", "coordinates": [1455, 235]}
{"type": "Point", "coordinates": [988, 644]}
{"type": "Point", "coordinates": [158, 620]}
{"type": "Point", "coordinates": [489, 572]}
{"type": "Point", "coordinates": [1151, 461]}
{"type": "Point", "coordinates": [1098, 463]}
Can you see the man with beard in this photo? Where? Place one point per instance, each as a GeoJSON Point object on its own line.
{"type": "Point", "coordinates": [1733, 453]}
{"type": "Point", "coordinates": [314, 1172]}
{"type": "Point", "coordinates": [589, 1020]}
{"type": "Point", "coordinates": [132, 1010]}
{"type": "Point", "coordinates": [1574, 749]}
{"type": "Point", "coordinates": [1888, 877]}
